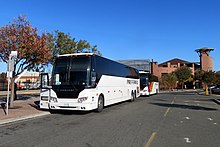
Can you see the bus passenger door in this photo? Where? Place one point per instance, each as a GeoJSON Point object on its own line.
{"type": "Point", "coordinates": [44, 91]}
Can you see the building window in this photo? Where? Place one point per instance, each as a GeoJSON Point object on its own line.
{"type": "Point", "coordinates": [163, 74]}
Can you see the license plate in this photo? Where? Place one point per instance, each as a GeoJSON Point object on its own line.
{"type": "Point", "coordinates": [66, 104]}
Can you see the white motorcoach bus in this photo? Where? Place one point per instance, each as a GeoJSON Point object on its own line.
{"type": "Point", "coordinates": [86, 81]}
{"type": "Point", "coordinates": [147, 88]}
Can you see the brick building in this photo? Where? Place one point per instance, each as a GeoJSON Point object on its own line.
{"type": "Point", "coordinates": [171, 65]}
{"type": "Point", "coordinates": [206, 64]}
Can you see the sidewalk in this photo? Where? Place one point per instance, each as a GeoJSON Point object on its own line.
{"type": "Point", "coordinates": [24, 108]}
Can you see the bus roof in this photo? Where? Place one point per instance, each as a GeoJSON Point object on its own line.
{"type": "Point", "coordinates": [77, 54]}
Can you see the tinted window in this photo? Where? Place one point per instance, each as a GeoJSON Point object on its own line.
{"type": "Point", "coordinates": [108, 67]}
{"type": "Point", "coordinates": [60, 71]}
{"type": "Point", "coordinates": [71, 70]}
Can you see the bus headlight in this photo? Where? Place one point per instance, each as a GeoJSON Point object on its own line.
{"type": "Point", "coordinates": [53, 99]}
{"type": "Point", "coordinates": [81, 99]}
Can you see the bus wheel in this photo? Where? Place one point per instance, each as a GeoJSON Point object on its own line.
{"type": "Point", "coordinates": [100, 104]}
{"type": "Point", "coordinates": [132, 97]}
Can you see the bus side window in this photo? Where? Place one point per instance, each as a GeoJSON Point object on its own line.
{"type": "Point", "coordinates": [44, 80]}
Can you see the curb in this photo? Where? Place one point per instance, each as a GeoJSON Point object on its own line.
{"type": "Point", "coordinates": [10, 120]}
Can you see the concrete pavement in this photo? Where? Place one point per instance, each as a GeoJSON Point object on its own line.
{"type": "Point", "coordinates": [25, 107]}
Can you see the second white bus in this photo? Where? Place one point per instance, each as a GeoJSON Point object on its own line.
{"type": "Point", "coordinates": [147, 88]}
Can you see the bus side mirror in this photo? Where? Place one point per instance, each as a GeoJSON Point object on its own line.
{"type": "Point", "coordinates": [93, 78]}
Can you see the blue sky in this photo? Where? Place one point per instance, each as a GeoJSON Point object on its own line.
{"type": "Point", "coordinates": [128, 29]}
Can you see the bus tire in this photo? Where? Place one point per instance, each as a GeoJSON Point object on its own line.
{"type": "Point", "coordinates": [52, 111]}
{"type": "Point", "coordinates": [157, 91]}
{"type": "Point", "coordinates": [132, 96]}
{"type": "Point", "coordinates": [100, 104]}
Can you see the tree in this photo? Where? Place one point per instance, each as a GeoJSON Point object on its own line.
{"type": "Point", "coordinates": [209, 77]}
{"type": "Point", "coordinates": [198, 75]}
{"type": "Point", "coordinates": [183, 74]}
{"type": "Point", "coordinates": [33, 49]}
{"type": "Point", "coordinates": [218, 77]}
{"type": "Point", "coordinates": [3, 76]}
{"type": "Point", "coordinates": [61, 43]}
{"type": "Point", "coordinates": [153, 78]}
{"type": "Point", "coordinates": [169, 81]}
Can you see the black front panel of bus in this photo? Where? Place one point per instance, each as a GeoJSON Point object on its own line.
{"type": "Point", "coordinates": [67, 91]}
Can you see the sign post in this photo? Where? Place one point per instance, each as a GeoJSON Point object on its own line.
{"type": "Point", "coordinates": [10, 71]}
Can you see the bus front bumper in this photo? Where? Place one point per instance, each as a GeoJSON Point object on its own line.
{"type": "Point", "coordinates": [144, 93]}
{"type": "Point", "coordinates": [44, 105]}
{"type": "Point", "coordinates": [72, 106]}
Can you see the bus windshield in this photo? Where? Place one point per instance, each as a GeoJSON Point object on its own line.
{"type": "Point", "coordinates": [73, 71]}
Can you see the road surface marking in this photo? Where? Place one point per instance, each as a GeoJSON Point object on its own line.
{"type": "Point", "coordinates": [187, 140]}
{"type": "Point", "coordinates": [173, 100]}
{"type": "Point", "coordinates": [187, 118]}
{"type": "Point", "coordinates": [168, 109]}
{"type": "Point", "coordinates": [210, 119]}
{"type": "Point", "coordinates": [151, 139]}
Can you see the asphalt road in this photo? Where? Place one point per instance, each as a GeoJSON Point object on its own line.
{"type": "Point", "coordinates": [163, 120]}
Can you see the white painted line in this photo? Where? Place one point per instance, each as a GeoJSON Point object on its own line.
{"type": "Point", "coordinates": [197, 101]}
{"type": "Point", "coordinates": [210, 119]}
{"type": "Point", "coordinates": [168, 109]}
{"type": "Point", "coordinates": [173, 100]}
{"type": "Point", "coordinates": [187, 140]}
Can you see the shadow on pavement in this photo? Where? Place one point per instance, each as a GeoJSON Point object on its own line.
{"type": "Point", "coordinates": [159, 100]}
{"type": "Point", "coordinates": [69, 112]}
{"type": "Point", "coordinates": [27, 97]}
{"type": "Point", "coordinates": [185, 106]}
{"type": "Point", "coordinates": [35, 105]}
{"type": "Point", "coordinates": [183, 93]}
